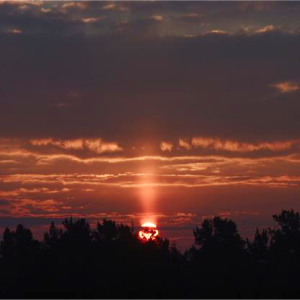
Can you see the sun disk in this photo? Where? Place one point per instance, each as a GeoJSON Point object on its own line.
{"type": "Point", "coordinates": [148, 232]}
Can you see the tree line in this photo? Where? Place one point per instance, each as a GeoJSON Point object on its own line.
{"type": "Point", "coordinates": [112, 262]}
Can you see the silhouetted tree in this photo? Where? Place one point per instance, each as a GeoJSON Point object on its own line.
{"type": "Point", "coordinates": [21, 257]}
{"type": "Point", "coordinates": [111, 261]}
{"type": "Point", "coordinates": [106, 231]}
{"type": "Point", "coordinates": [218, 247]}
{"type": "Point", "coordinates": [218, 233]}
{"type": "Point", "coordinates": [53, 237]}
{"type": "Point", "coordinates": [78, 232]}
{"type": "Point", "coordinates": [286, 237]}
{"type": "Point", "coordinates": [8, 244]}
{"type": "Point", "coordinates": [284, 261]}
{"type": "Point", "coordinates": [18, 244]}
{"type": "Point", "coordinates": [259, 247]}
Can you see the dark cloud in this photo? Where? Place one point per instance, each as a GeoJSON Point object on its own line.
{"type": "Point", "coordinates": [4, 202]}
{"type": "Point", "coordinates": [213, 85]}
{"type": "Point", "coordinates": [12, 222]}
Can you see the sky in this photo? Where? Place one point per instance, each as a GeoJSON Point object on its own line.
{"type": "Point", "coordinates": [169, 112]}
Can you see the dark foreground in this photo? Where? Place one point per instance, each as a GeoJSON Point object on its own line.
{"type": "Point", "coordinates": [112, 262]}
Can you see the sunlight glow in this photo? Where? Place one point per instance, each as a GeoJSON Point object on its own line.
{"type": "Point", "coordinates": [148, 224]}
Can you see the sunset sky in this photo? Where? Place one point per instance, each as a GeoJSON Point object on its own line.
{"type": "Point", "coordinates": [167, 112]}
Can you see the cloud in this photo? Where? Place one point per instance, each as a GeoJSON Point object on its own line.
{"type": "Point", "coordinates": [111, 6]}
{"type": "Point", "coordinates": [91, 20]}
{"type": "Point", "coordinates": [100, 147]}
{"type": "Point", "coordinates": [285, 86]}
{"type": "Point", "coordinates": [217, 31]}
{"type": "Point", "coordinates": [73, 5]}
{"type": "Point", "coordinates": [15, 31]}
{"type": "Point", "coordinates": [67, 17]}
{"type": "Point", "coordinates": [169, 172]}
{"type": "Point", "coordinates": [191, 15]}
{"type": "Point", "coordinates": [157, 18]}
{"type": "Point", "coordinates": [4, 202]}
{"type": "Point", "coordinates": [235, 146]}
{"type": "Point", "coordinates": [46, 10]}
{"type": "Point", "coordinates": [95, 145]}
{"type": "Point", "coordinates": [265, 29]}
{"type": "Point", "coordinates": [184, 144]}
{"type": "Point", "coordinates": [166, 146]}
{"type": "Point", "coordinates": [186, 108]}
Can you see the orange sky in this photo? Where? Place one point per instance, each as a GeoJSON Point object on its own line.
{"type": "Point", "coordinates": [157, 111]}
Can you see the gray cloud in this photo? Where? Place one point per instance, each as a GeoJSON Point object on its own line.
{"type": "Point", "coordinates": [171, 87]}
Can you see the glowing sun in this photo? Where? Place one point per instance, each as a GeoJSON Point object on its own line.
{"type": "Point", "coordinates": [148, 232]}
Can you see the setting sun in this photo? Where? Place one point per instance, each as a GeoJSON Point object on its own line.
{"type": "Point", "coordinates": [148, 231]}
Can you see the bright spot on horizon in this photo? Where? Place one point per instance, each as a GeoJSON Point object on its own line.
{"type": "Point", "coordinates": [148, 232]}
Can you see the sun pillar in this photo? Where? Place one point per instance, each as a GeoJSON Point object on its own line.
{"type": "Point", "coordinates": [148, 197]}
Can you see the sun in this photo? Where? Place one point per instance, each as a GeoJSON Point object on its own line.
{"type": "Point", "coordinates": [148, 232]}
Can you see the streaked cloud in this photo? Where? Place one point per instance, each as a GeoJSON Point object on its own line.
{"type": "Point", "coordinates": [15, 31]}
{"type": "Point", "coordinates": [157, 17]}
{"type": "Point", "coordinates": [166, 146]}
{"type": "Point", "coordinates": [191, 15]}
{"type": "Point", "coordinates": [95, 145]}
{"type": "Point", "coordinates": [91, 20]}
{"type": "Point", "coordinates": [217, 31]}
{"type": "Point", "coordinates": [235, 146]}
{"type": "Point", "coordinates": [265, 29]}
{"type": "Point", "coordinates": [72, 5]}
{"type": "Point", "coordinates": [184, 144]}
{"type": "Point", "coordinates": [286, 86]}
{"type": "Point", "coordinates": [46, 10]}
{"type": "Point", "coordinates": [111, 6]}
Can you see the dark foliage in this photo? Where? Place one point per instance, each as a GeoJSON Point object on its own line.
{"type": "Point", "coordinates": [112, 262]}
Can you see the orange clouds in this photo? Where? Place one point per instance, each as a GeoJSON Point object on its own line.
{"type": "Point", "coordinates": [184, 144]}
{"type": "Point", "coordinates": [158, 18]}
{"type": "Point", "coordinates": [15, 31]}
{"type": "Point", "coordinates": [41, 208]}
{"type": "Point", "coordinates": [286, 86]}
{"type": "Point", "coordinates": [217, 31]}
{"type": "Point", "coordinates": [72, 5]}
{"type": "Point", "coordinates": [166, 146]}
{"type": "Point", "coordinates": [91, 20]}
{"type": "Point", "coordinates": [196, 154]}
{"type": "Point", "coordinates": [58, 184]}
{"type": "Point", "coordinates": [111, 6]}
{"type": "Point", "coordinates": [218, 144]}
{"type": "Point", "coordinates": [265, 29]}
{"type": "Point", "coordinates": [234, 146]}
{"type": "Point", "coordinates": [79, 179]}
{"type": "Point", "coordinates": [95, 145]}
